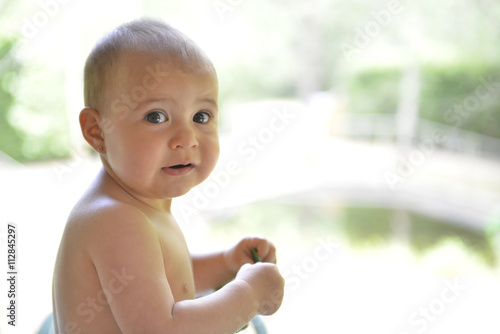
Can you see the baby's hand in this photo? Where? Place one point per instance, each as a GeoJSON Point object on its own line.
{"type": "Point", "coordinates": [267, 285]}
{"type": "Point", "coordinates": [242, 253]}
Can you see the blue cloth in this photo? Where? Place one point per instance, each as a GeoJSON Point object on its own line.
{"type": "Point", "coordinates": [47, 326]}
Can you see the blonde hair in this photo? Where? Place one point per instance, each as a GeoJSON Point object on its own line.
{"type": "Point", "coordinates": [144, 36]}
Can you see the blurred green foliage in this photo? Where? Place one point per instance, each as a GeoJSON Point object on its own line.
{"type": "Point", "coordinates": [362, 226]}
{"type": "Point", "coordinates": [465, 95]}
{"type": "Point", "coordinates": [374, 91]}
{"type": "Point", "coordinates": [34, 126]}
{"type": "Point", "coordinates": [426, 233]}
{"type": "Point", "coordinates": [373, 225]}
{"type": "Point", "coordinates": [367, 225]}
{"type": "Point", "coordinates": [279, 50]}
{"type": "Point", "coordinates": [10, 138]}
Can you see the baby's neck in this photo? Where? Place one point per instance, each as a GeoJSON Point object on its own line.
{"type": "Point", "coordinates": [112, 186]}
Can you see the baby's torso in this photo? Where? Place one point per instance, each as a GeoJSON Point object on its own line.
{"type": "Point", "coordinates": [177, 261]}
{"type": "Point", "coordinates": [82, 304]}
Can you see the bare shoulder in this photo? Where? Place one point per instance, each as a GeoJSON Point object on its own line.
{"type": "Point", "coordinates": [102, 232]}
{"type": "Point", "coordinates": [109, 249]}
{"type": "Point", "coordinates": [107, 224]}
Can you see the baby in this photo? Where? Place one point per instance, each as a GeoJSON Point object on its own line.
{"type": "Point", "coordinates": [123, 265]}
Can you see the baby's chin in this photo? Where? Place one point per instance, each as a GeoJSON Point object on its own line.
{"type": "Point", "coordinates": [177, 194]}
{"type": "Point", "coordinates": [182, 191]}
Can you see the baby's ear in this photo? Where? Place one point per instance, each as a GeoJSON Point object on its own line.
{"type": "Point", "coordinates": [90, 123]}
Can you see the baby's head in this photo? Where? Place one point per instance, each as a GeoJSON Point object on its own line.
{"type": "Point", "coordinates": [151, 109]}
{"type": "Point", "coordinates": [145, 37]}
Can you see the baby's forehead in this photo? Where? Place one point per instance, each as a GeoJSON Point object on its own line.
{"type": "Point", "coordinates": [140, 73]}
{"type": "Point", "coordinates": [147, 64]}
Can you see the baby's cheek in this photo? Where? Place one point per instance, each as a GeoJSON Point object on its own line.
{"type": "Point", "coordinates": [212, 155]}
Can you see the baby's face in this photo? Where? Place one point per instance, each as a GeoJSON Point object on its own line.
{"type": "Point", "coordinates": [160, 127]}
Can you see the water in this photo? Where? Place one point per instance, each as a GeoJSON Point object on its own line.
{"type": "Point", "coordinates": [352, 269]}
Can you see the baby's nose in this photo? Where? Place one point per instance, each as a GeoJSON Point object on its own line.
{"type": "Point", "coordinates": [183, 137]}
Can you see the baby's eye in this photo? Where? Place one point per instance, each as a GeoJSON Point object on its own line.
{"type": "Point", "coordinates": [201, 117]}
{"type": "Point", "coordinates": [155, 117]}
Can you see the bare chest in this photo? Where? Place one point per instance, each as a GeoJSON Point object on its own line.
{"type": "Point", "coordinates": [177, 262]}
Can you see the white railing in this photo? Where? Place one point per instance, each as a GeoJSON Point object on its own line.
{"type": "Point", "coordinates": [383, 127]}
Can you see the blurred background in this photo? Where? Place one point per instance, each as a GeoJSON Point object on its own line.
{"type": "Point", "coordinates": [361, 137]}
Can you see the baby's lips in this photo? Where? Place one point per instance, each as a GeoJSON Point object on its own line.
{"type": "Point", "coordinates": [180, 166]}
{"type": "Point", "coordinates": [179, 169]}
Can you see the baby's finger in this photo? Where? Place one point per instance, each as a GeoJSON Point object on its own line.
{"type": "Point", "coordinates": [266, 251]}
{"type": "Point", "coordinates": [271, 254]}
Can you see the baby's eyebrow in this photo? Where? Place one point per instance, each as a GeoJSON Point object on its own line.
{"type": "Point", "coordinates": [158, 99]}
{"type": "Point", "coordinates": [208, 100]}
{"type": "Point", "coordinates": [170, 99]}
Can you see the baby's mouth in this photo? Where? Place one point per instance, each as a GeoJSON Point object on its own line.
{"type": "Point", "coordinates": [180, 166]}
{"type": "Point", "coordinates": [179, 169]}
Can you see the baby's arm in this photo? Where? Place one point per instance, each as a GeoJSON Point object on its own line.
{"type": "Point", "coordinates": [126, 243]}
{"type": "Point", "coordinates": [213, 270]}
{"type": "Point", "coordinates": [257, 289]}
